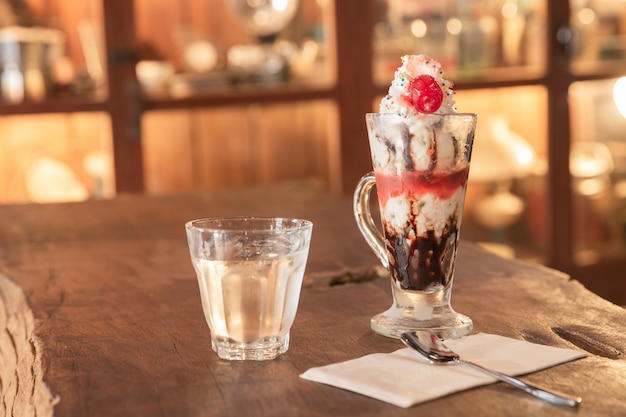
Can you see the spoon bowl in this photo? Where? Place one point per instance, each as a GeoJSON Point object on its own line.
{"type": "Point", "coordinates": [434, 350]}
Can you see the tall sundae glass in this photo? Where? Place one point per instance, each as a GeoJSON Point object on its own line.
{"type": "Point", "coordinates": [421, 150]}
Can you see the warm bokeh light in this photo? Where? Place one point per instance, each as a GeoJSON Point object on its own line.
{"type": "Point", "coordinates": [586, 16]}
{"type": "Point", "coordinates": [619, 95]}
{"type": "Point", "coordinates": [280, 4]}
{"type": "Point", "coordinates": [509, 10]}
{"type": "Point", "coordinates": [454, 26]}
{"type": "Point", "coordinates": [419, 28]}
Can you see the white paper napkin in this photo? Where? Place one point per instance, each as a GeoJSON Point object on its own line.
{"type": "Point", "coordinates": [404, 379]}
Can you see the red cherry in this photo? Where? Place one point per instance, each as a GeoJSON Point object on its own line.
{"type": "Point", "coordinates": [425, 94]}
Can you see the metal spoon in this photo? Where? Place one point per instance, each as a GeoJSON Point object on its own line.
{"type": "Point", "coordinates": [430, 346]}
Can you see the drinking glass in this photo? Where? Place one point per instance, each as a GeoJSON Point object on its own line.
{"type": "Point", "coordinates": [421, 166]}
{"type": "Point", "coordinates": [250, 272]}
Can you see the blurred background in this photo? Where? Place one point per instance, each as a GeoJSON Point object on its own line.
{"type": "Point", "coordinates": [102, 97]}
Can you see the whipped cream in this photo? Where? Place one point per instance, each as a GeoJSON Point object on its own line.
{"type": "Point", "coordinates": [403, 89]}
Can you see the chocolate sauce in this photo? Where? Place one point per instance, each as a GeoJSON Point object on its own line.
{"type": "Point", "coordinates": [406, 137]}
{"type": "Point", "coordinates": [426, 261]}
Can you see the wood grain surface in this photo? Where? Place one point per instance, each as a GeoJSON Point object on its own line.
{"type": "Point", "coordinates": [118, 315]}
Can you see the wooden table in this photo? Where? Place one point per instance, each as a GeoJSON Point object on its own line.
{"type": "Point", "coordinates": [118, 328]}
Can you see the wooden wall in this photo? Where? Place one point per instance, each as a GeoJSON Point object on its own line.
{"type": "Point", "coordinates": [233, 146]}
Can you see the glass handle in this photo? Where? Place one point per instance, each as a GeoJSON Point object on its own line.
{"type": "Point", "coordinates": [363, 216]}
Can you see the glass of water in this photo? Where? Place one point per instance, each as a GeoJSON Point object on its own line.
{"type": "Point", "coordinates": [250, 272]}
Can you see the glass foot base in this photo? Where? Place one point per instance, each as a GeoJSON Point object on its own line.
{"type": "Point", "coordinates": [447, 324]}
{"type": "Point", "coordinates": [261, 350]}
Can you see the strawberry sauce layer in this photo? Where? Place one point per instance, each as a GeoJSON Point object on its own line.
{"type": "Point", "coordinates": [443, 185]}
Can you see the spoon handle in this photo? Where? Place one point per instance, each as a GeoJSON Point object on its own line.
{"type": "Point", "coordinates": [556, 399]}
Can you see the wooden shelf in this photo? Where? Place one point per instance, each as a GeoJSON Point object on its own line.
{"type": "Point", "coordinates": [240, 96]}
{"type": "Point", "coordinates": [60, 105]}
{"type": "Point", "coordinates": [593, 70]}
